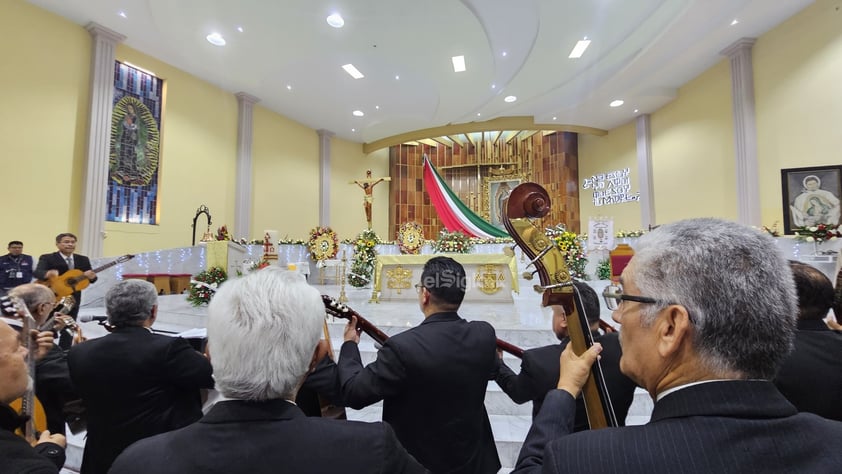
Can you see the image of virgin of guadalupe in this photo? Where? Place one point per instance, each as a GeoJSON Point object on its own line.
{"type": "Point", "coordinates": [133, 157]}
{"type": "Point", "coordinates": [814, 205]}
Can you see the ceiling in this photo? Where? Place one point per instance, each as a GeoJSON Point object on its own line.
{"type": "Point", "coordinates": [287, 55]}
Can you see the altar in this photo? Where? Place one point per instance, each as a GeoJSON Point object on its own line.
{"type": "Point", "coordinates": [491, 277]}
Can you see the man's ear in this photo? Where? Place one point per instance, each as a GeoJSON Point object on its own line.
{"type": "Point", "coordinates": [673, 329]}
{"type": "Point", "coordinates": [154, 315]}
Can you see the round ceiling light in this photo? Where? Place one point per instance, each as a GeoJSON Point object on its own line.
{"type": "Point", "coordinates": [215, 39]}
{"type": "Point", "coordinates": [616, 103]}
{"type": "Point", "coordinates": [358, 113]}
{"type": "Point", "coordinates": [510, 98]}
{"type": "Point", "coordinates": [335, 20]}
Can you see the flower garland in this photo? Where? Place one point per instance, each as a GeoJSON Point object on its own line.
{"type": "Point", "coordinates": [453, 242]}
{"type": "Point", "coordinates": [323, 243]}
{"type": "Point", "coordinates": [572, 247]}
{"type": "Point", "coordinates": [410, 238]}
{"type": "Point", "coordinates": [203, 286]}
{"type": "Point", "coordinates": [817, 233]}
{"type": "Point", "coordinates": [365, 254]}
{"type": "Point", "coordinates": [632, 233]}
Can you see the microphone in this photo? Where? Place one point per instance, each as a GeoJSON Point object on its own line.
{"type": "Point", "coordinates": [86, 318]}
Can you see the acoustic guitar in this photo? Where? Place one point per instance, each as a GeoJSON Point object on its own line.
{"type": "Point", "coordinates": [526, 204]}
{"type": "Point", "coordinates": [75, 280]}
{"type": "Point", "coordinates": [27, 406]}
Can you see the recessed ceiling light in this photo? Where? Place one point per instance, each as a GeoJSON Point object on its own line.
{"type": "Point", "coordinates": [504, 53]}
{"type": "Point", "coordinates": [354, 72]}
{"type": "Point", "coordinates": [734, 22]}
{"type": "Point", "coordinates": [493, 86]}
{"type": "Point", "coordinates": [458, 63]}
{"type": "Point", "coordinates": [240, 29]}
{"type": "Point", "coordinates": [358, 113]}
{"type": "Point", "coordinates": [635, 110]}
{"type": "Point", "coordinates": [215, 39]}
{"type": "Point", "coordinates": [616, 103]}
{"type": "Point", "coordinates": [397, 78]}
{"type": "Point", "coordinates": [479, 114]}
{"type": "Point", "coordinates": [555, 118]}
{"type": "Point", "coordinates": [377, 107]}
{"type": "Point", "coordinates": [122, 14]}
{"type": "Point", "coordinates": [335, 20]}
{"type": "Point", "coordinates": [353, 129]}
{"type": "Point", "coordinates": [289, 87]}
{"type": "Point", "coordinates": [579, 49]}
{"type": "Point", "coordinates": [510, 98]}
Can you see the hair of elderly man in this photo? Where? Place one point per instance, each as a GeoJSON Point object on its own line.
{"type": "Point", "coordinates": [130, 302]}
{"type": "Point", "coordinates": [590, 301]}
{"type": "Point", "coordinates": [263, 329]}
{"type": "Point", "coordinates": [446, 281]}
{"type": "Point", "coordinates": [736, 286]}
{"type": "Point", "coordinates": [33, 294]}
{"type": "Point", "coordinates": [814, 290]}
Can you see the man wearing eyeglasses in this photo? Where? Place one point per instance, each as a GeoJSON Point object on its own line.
{"type": "Point", "coordinates": [432, 378]}
{"type": "Point", "coordinates": [707, 309]}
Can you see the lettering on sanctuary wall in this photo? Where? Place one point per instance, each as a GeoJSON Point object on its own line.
{"type": "Point", "coordinates": [612, 187]}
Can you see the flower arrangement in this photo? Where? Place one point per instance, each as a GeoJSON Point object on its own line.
{"type": "Point", "coordinates": [603, 270]}
{"type": "Point", "coordinates": [453, 242]}
{"type": "Point", "coordinates": [572, 247]}
{"type": "Point", "coordinates": [817, 233]}
{"type": "Point", "coordinates": [222, 233]}
{"type": "Point", "coordinates": [410, 238]}
{"type": "Point", "coordinates": [365, 254]}
{"type": "Point", "coordinates": [633, 233]}
{"type": "Point", "coordinates": [323, 243]}
{"type": "Point", "coordinates": [204, 285]}
{"type": "Point", "coordinates": [288, 241]}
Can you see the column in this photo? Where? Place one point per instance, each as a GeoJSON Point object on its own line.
{"type": "Point", "coordinates": [745, 131]}
{"type": "Point", "coordinates": [644, 171]}
{"type": "Point", "coordinates": [245, 133]}
{"type": "Point", "coordinates": [324, 176]}
{"type": "Point", "coordinates": [92, 231]}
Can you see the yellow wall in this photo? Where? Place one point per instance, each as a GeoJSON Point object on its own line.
{"type": "Point", "coordinates": [43, 125]}
{"type": "Point", "coordinates": [615, 151]}
{"type": "Point", "coordinates": [798, 69]}
{"type": "Point", "coordinates": [347, 215]}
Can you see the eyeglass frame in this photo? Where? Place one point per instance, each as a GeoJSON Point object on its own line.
{"type": "Point", "coordinates": [615, 298]}
{"type": "Point", "coordinates": [418, 287]}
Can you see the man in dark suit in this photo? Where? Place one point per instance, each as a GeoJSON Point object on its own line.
{"type": "Point", "coordinates": [539, 366]}
{"type": "Point", "coordinates": [431, 378]}
{"type": "Point", "coordinates": [811, 377]}
{"type": "Point", "coordinates": [263, 333]}
{"type": "Point", "coordinates": [56, 264]}
{"type": "Point", "coordinates": [707, 309]}
{"type": "Point", "coordinates": [134, 383]}
{"type": "Point", "coordinates": [16, 454]}
{"type": "Point", "coordinates": [15, 267]}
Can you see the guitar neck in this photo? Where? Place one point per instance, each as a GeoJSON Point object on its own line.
{"type": "Point", "coordinates": [510, 348]}
{"type": "Point", "coordinates": [365, 326]}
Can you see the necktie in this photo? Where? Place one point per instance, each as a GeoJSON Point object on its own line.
{"type": "Point", "coordinates": [69, 263]}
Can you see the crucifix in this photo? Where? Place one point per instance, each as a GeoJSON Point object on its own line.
{"type": "Point", "coordinates": [367, 186]}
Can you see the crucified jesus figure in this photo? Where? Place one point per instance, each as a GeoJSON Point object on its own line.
{"type": "Point", "coordinates": [367, 186]}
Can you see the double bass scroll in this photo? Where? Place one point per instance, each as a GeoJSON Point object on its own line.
{"type": "Point", "coordinates": [526, 203]}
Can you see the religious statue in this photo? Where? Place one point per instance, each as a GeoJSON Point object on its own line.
{"type": "Point", "coordinates": [367, 186]}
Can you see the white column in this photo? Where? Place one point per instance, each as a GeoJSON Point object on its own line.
{"type": "Point", "coordinates": [644, 171]}
{"type": "Point", "coordinates": [245, 133]}
{"type": "Point", "coordinates": [324, 176]}
{"type": "Point", "coordinates": [745, 131]}
{"type": "Point", "coordinates": [92, 231]}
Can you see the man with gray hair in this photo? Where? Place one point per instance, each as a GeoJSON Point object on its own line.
{"type": "Point", "coordinates": [263, 333]}
{"type": "Point", "coordinates": [707, 309]}
{"type": "Point", "coordinates": [134, 383]}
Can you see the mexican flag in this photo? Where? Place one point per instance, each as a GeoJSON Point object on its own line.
{"type": "Point", "coordinates": [454, 214]}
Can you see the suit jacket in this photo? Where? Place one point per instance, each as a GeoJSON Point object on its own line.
{"type": "Point", "coordinates": [56, 261]}
{"type": "Point", "coordinates": [268, 437]}
{"type": "Point", "coordinates": [16, 455]}
{"type": "Point", "coordinates": [811, 377]}
{"type": "Point", "coordinates": [539, 370]}
{"type": "Point", "coordinates": [135, 384]}
{"type": "Point", "coordinates": [432, 380]}
{"type": "Point", "coordinates": [722, 427]}
{"type": "Point", "coordinates": [9, 268]}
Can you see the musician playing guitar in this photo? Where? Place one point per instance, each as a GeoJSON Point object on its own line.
{"type": "Point", "coordinates": [54, 264]}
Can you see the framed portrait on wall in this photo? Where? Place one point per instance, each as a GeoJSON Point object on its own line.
{"type": "Point", "coordinates": [811, 196]}
{"type": "Point", "coordinates": [495, 190]}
